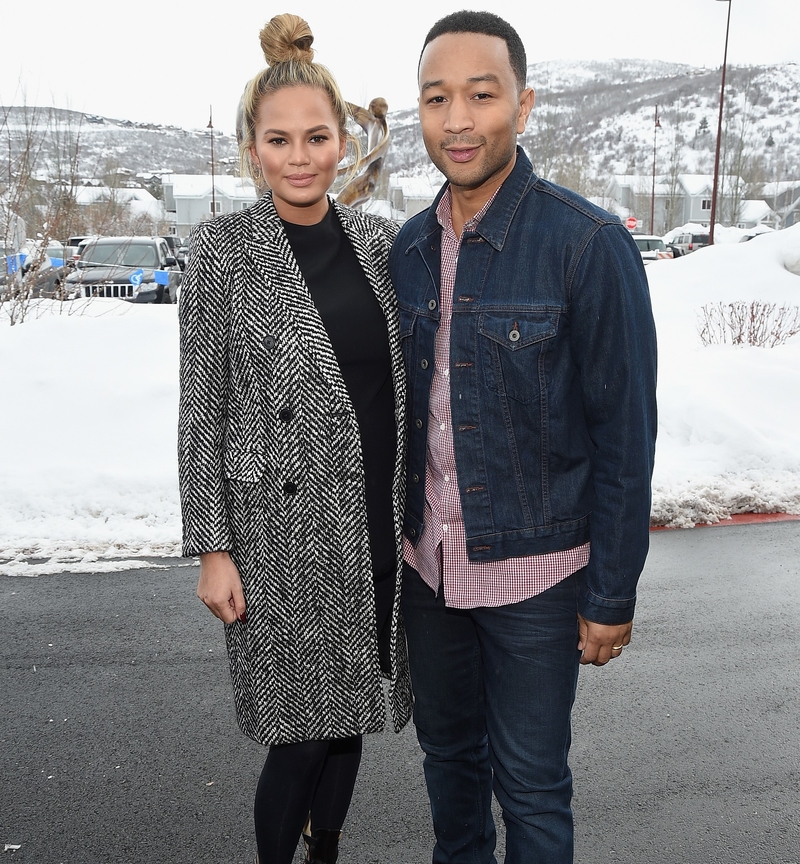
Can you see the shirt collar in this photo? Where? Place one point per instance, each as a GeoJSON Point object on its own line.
{"type": "Point", "coordinates": [444, 211]}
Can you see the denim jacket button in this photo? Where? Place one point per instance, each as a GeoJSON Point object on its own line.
{"type": "Point", "coordinates": [431, 305]}
{"type": "Point", "coordinates": [424, 364]}
{"type": "Point", "coordinates": [514, 335]}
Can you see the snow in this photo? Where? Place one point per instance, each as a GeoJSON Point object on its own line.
{"type": "Point", "coordinates": [89, 479]}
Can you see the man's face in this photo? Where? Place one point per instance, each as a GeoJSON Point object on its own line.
{"type": "Point", "coordinates": [470, 109]}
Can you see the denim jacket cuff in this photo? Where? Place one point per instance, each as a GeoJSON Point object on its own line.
{"type": "Point", "coordinates": [601, 610]}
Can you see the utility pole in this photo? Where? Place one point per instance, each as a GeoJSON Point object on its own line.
{"type": "Point", "coordinates": [653, 193]}
{"type": "Point", "coordinates": [719, 128]}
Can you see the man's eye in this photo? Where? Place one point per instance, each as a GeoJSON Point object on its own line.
{"type": "Point", "coordinates": [436, 100]}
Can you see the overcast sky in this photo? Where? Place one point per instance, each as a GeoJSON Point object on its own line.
{"type": "Point", "coordinates": [167, 62]}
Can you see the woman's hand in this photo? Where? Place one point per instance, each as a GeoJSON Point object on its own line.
{"type": "Point", "coordinates": [220, 587]}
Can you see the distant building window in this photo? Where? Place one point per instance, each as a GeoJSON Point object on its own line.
{"type": "Point", "coordinates": [215, 206]}
{"type": "Point", "coordinates": [705, 204]}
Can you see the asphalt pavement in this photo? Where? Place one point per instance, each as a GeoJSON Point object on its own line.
{"type": "Point", "coordinates": [118, 741]}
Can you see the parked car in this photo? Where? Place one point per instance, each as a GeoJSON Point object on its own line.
{"type": "Point", "coordinates": [137, 269]}
{"type": "Point", "coordinates": [71, 244]}
{"type": "Point", "coordinates": [183, 253]}
{"type": "Point", "coordinates": [36, 270]}
{"type": "Point", "coordinates": [173, 241]}
{"type": "Point", "coordinates": [685, 243]}
{"type": "Point", "coordinates": [652, 248]}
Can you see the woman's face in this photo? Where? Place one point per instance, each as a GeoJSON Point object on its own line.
{"type": "Point", "coordinates": [298, 146]}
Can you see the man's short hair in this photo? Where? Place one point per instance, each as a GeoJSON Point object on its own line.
{"type": "Point", "coordinates": [487, 24]}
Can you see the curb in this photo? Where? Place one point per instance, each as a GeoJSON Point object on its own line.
{"type": "Point", "coordinates": [737, 519]}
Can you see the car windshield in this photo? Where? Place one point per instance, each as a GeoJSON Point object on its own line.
{"type": "Point", "coordinates": [123, 253]}
{"type": "Point", "coordinates": [649, 244]}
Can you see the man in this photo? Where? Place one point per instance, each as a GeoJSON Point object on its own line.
{"type": "Point", "coordinates": [530, 351]}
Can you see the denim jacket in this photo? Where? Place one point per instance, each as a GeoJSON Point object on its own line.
{"type": "Point", "coordinates": [552, 377]}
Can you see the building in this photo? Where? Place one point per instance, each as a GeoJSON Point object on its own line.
{"type": "Point", "coordinates": [784, 199]}
{"type": "Point", "coordinates": [678, 200]}
{"type": "Point", "coordinates": [193, 198]}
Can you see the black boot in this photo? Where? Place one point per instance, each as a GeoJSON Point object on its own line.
{"type": "Point", "coordinates": [323, 846]}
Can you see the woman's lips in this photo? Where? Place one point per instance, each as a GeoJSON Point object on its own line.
{"type": "Point", "coordinates": [300, 179]}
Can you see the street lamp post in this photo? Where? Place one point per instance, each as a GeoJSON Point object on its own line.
{"type": "Point", "coordinates": [719, 127]}
{"type": "Point", "coordinates": [653, 192]}
{"type": "Point", "coordinates": [213, 185]}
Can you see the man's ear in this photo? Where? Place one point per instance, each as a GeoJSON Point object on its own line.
{"type": "Point", "coordinates": [526, 102]}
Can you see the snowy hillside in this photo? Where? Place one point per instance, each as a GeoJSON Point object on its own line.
{"type": "Point", "coordinates": [91, 390]}
{"type": "Point", "coordinates": [592, 119]}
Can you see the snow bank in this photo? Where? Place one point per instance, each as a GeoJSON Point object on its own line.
{"type": "Point", "coordinates": [729, 417]}
{"type": "Point", "coordinates": [89, 478]}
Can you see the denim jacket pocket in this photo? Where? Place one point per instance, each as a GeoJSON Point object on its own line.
{"type": "Point", "coordinates": [243, 464]}
{"type": "Point", "coordinates": [513, 349]}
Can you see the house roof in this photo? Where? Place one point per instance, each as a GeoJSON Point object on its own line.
{"type": "Point", "coordinates": [199, 186]}
{"type": "Point", "coordinates": [754, 211]}
{"type": "Point", "coordinates": [140, 201]}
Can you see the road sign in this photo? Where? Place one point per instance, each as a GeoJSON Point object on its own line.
{"type": "Point", "coordinates": [631, 222]}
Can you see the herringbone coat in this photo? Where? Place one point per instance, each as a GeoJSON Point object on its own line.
{"type": "Point", "coordinates": [270, 470]}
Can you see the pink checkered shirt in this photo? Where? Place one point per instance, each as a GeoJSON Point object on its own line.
{"type": "Point", "coordinates": [441, 556]}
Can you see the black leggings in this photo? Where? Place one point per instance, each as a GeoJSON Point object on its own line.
{"type": "Point", "coordinates": [316, 777]}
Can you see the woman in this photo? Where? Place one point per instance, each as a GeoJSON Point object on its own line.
{"type": "Point", "coordinates": [290, 447]}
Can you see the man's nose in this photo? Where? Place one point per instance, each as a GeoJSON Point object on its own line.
{"type": "Point", "coordinates": [459, 118]}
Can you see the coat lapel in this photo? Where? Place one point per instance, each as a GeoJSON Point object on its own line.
{"type": "Point", "coordinates": [282, 284]}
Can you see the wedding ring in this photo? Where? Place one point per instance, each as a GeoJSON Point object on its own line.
{"type": "Point", "coordinates": [617, 647]}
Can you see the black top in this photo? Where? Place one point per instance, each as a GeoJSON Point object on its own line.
{"type": "Point", "coordinates": [356, 327]}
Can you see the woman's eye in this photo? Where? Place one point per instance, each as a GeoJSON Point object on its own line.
{"type": "Point", "coordinates": [318, 139]}
{"type": "Point", "coordinates": [277, 141]}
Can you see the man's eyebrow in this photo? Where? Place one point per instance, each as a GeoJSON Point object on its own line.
{"type": "Point", "coordinates": [428, 84]}
{"type": "Point", "coordinates": [474, 79]}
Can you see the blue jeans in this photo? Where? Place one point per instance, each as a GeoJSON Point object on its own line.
{"type": "Point", "coordinates": [494, 689]}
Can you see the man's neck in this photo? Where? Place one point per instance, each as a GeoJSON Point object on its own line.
{"type": "Point", "coordinates": [465, 203]}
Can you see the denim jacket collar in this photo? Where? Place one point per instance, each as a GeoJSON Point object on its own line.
{"type": "Point", "coordinates": [495, 224]}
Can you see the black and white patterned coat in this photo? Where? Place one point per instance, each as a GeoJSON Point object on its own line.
{"type": "Point", "coordinates": [270, 470]}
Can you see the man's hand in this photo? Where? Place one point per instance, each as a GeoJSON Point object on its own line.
{"type": "Point", "coordinates": [220, 587]}
{"type": "Point", "coordinates": [602, 642]}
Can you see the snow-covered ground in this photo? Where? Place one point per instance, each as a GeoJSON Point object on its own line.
{"type": "Point", "coordinates": [90, 391]}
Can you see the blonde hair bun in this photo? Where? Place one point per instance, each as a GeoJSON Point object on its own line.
{"type": "Point", "coordinates": [286, 37]}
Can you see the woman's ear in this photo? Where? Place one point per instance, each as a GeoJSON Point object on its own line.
{"type": "Point", "coordinates": [254, 159]}
{"type": "Point", "coordinates": [342, 146]}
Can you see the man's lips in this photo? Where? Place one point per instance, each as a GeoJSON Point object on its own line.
{"type": "Point", "coordinates": [461, 154]}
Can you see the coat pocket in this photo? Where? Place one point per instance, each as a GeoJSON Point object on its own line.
{"type": "Point", "coordinates": [513, 351]}
{"type": "Point", "coordinates": [245, 464]}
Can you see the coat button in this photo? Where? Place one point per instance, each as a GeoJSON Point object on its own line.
{"type": "Point", "coordinates": [431, 305]}
{"type": "Point", "coordinates": [514, 335]}
{"type": "Point", "coordinates": [424, 364]}
{"type": "Point", "coordinates": [412, 532]}
{"type": "Point", "coordinates": [269, 342]}
{"type": "Point", "coordinates": [290, 488]}
{"type": "Point", "coordinates": [285, 414]}
{"type": "Point", "coordinates": [418, 423]}
{"type": "Point", "coordinates": [415, 478]}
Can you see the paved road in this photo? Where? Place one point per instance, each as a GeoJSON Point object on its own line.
{"type": "Point", "coordinates": [118, 741]}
